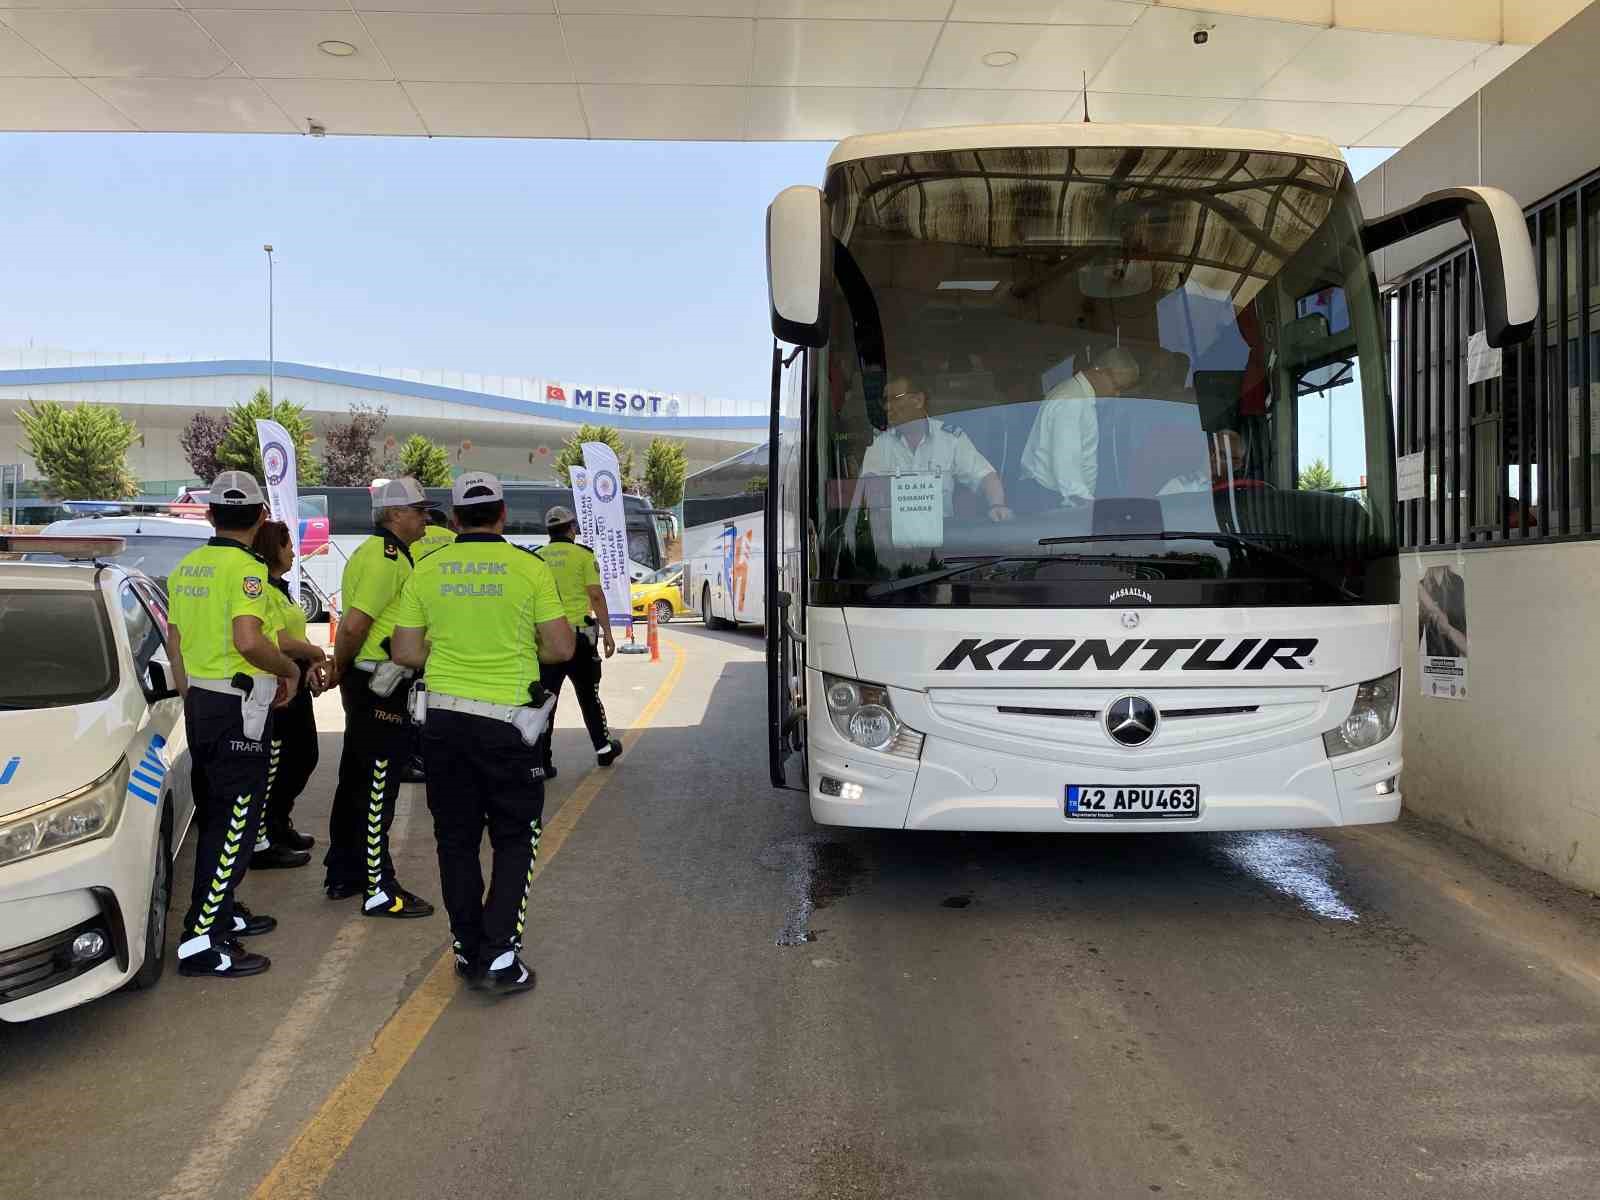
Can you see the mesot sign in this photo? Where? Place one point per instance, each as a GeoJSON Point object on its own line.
{"type": "Point", "coordinates": [621, 401]}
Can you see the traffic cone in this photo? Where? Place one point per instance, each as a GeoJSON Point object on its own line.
{"type": "Point", "coordinates": [654, 637]}
{"type": "Point", "coordinates": [333, 621]}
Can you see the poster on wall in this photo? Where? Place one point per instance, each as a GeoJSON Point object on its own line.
{"type": "Point", "coordinates": [1442, 632]}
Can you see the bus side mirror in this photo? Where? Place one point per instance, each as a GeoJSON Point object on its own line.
{"type": "Point", "coordinates": [1507, 276]}
{"type": "Point", "coordinates": [799, 266]}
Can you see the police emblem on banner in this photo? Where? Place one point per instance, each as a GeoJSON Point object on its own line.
{"type": "Point", "coordinates": [252, 586]}
{"type": "Point", "coordinates": [605, 485]}
{"type": "Point", "coordinates": [276, 461]}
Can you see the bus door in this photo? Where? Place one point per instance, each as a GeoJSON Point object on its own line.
{"type": "Point", "coordinates": [782, 570]}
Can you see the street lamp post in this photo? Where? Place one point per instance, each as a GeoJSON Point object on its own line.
{"type": "Point", "coordinates": [272, 358]}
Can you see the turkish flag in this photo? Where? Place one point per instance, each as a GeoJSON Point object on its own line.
{"type": "Point", "coordinates": [555, 392]}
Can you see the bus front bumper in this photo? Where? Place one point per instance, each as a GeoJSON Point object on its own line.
{"type": "Point", "coordinates": [957, 786]}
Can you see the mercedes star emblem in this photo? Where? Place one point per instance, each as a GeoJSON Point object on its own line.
{"type": "Point", "coordinates": [1130, 619]}
{"type": "Point", "coordinates": [1131, 721]}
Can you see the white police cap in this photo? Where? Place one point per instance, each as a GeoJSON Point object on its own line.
{"type": "Point", "coordinates": [235, 489]}
{"type": "Point", "coordinates": [476, 487]}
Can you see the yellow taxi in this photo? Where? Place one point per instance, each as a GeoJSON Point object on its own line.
{"type": "Point", "coordinates": [661, 590]}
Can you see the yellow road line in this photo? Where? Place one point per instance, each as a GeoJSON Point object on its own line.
{"type": "Point", "coordinates": [300, 1173]}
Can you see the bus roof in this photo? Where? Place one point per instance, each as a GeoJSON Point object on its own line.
{"type": "Point", "coordinates": [753, 454]}
{"type": "Point", "coordinates": [1076, 134]}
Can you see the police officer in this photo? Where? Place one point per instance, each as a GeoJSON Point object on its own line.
{"type": "Point", "coordinates": [435, 537]}
{"type": "Point", "coordinates": [231, 673]}
{"type": "Point", "coordinates": [577, 574]}
{"type": "Point", "coordinates": [483, 616]}
{"type": "Point", "coordinates": [373, 689]}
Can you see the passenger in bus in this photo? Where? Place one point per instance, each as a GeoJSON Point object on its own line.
{"type": "Point", "coordinates": [1060, 463]}
{"type": "Point", "coordinates": [915, 442]}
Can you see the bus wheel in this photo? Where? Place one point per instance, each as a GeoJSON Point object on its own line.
{"type": "Point", "coordinates": [310, 602]}
{"type": "Point", "coordinates": [706, 618]}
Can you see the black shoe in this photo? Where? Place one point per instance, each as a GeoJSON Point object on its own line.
{"type": "Point", "coordinates": [395, 902]}
{"type": "Point", "coordinates": [226, 960]}
{"type": "Point", "coordinates": [610, 754]}
{"type": "Point", "coordinates": [518, 976]}
{"type": "Point", "coordinates": [291, 837]}
{"type": "Point", "coordinates": [414, 772]}
{"type": "Point", "coordinates": [248, 924]}
{"type": "Point", "coordinates": [343, 891]}
{"type": "Point", "coordinates": [276, 856]}
{"type": "Point", "coordinates": [468, 968]}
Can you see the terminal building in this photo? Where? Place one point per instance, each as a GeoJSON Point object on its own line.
{"type": "Point", "coordinates": [511, 425]}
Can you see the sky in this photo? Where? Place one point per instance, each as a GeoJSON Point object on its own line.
{"type": "Point", "coordinates": [639, 264]}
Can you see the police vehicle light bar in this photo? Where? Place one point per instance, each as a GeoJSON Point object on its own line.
{"type": "Point", "coordinates": [66, 547]}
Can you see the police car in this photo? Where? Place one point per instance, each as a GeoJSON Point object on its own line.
{"type": "Point", "coordinates": [94, 774]}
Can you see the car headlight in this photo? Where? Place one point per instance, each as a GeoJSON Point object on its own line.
{"type": "Point", "coordinates": [80, 816]}
{"type": "Point", "coordinates": [864, 716]}
{"type": "Point", "coordinates": [1371, 719]}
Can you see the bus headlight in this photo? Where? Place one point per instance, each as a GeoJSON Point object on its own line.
{"type": "Point", "coordinates": [864, 716]}
{"type": "Point", "coordinates": [1371, 718]}
{"type": "Point", "coordinates": [79, 816]}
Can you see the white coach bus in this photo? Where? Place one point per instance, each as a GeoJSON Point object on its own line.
{"type": "Point", "coordinates": [1046, 554]}
{"type": "Point", "coordinates": [724, 540]}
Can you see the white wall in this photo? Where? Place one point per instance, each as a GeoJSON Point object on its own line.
{"type": "Point", "coordinates": [1517, 763]}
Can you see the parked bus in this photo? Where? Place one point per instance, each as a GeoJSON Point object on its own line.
{"type": "Point", "coordinates": [347, 514]}
{"type": "Point", "coordinates": [724, 537]}
{"type": "Point", "coordinates": [1042, 553]}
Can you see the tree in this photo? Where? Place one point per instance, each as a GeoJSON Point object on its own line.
{"type": "Point", "coordinates": [241, 450]}
{"type": "Point", "coordinates": [82, 451]}
{"type": "Point", "coordinates": [350, 455]}
{"type": "Point", "coordinates": [572, 454]}
{"type": "Point", "coordinates": [1318, 477]}
{"type": "Point", "coordinates": [665, 466]}
{"type": "Point", "coordinates": [425, 461]}
{"type": "Point", "coordinates": [200, 439]}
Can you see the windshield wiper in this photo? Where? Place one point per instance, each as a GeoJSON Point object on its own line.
{"type": "Point", "coordinates": [889, 587]}
{"type": "Point", "coordinates": [1262, 542]}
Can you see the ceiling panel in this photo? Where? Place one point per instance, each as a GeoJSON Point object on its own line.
{"type": "Point", "coordinates": [1374, 68]}
{"type": "Point", "coordinates": [1402, 127]}
{"type": "Point", "coordinates": [99, 4]}
{"type": "Point", "coordinates": [122, 43]}
{"type": "Point", "coordinates": [1159, 56]}
{"type": "Point", "coordinates": [1124, 109]}
{"type": "Point", "coordinates": [1311, 12]}
{"type": "Point", "coordinates": [1341, 124]}
{"type": "Point", "coordinates": [499, 48]}
{"type": "Point", "coordinates": [343, 105]}
{"type": "Point", "coordinates": [47, 105]}
{"type": "Point", "coordinates": [661, 8]}
{"type": "Point", "coordinates": [1050, 12]}
{"type": "Point", "coordinates": [19, 58]}
{"type": "Point", "coordinates": [195, 105]}
{"type": "Point", "coordinates": [678, 112]}
{"type": "Point", "coordinates": [285, 43]}
{"type": "Point", "coordinates": [1051, 57]}
{"type": "Point", "coordinates": [823, 113]}
{"type": "Point", "coordinates": [1478, 20]}
{"type": "Point", "coordinates": [857, 10]}
{"type": "Point", "coordinates": [1531, 21]}
{"type": "Point", "coordinates": [935, 107]}
{"type": "Point", "coordinates": [499, 109]}
{"type": "Point", "coordinates": [680, 50]}
{"type": "Point", "coordinates": [843, 53]}
{"type": "Point", "coordinates": [1458, 88]}
{"type": "Point", "coordinates": [433, 6]}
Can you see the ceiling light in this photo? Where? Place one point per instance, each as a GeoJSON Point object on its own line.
{"type": "Point", "coordinates": [999, 58]}
{"type": "Point", "coordinates": [336, 48]}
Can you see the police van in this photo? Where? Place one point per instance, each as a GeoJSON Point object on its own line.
{"type": "Point", "coordinates": [94, 774]}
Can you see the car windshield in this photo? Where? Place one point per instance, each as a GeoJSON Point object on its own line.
{"type": "Point", "coordinates": [1038, 354]}
{"type": "Point", "coordinates": [153, 554]}
{"type": "Point", "coordinates": [57, 649]}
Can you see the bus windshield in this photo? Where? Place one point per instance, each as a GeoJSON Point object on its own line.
{"type": "Point", "coordinates": [1053, 374]}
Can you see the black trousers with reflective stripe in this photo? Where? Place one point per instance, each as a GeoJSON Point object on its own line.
{"type": "Point", "coordinates": [377, 740]}
{"type": "Point", "coordinates": [293, 755]}
{"type": "Point", "coordinates": [481, 775]}
{"type": "Point", "coordinates": [583, 668]}
{"type": "Point", "coordinates": [229, 776]}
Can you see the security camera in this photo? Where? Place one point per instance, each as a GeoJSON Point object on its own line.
{"type": "Point", "coordinates": [316, 128]}
{"type": "Point", "coordinates": [1202, 36]}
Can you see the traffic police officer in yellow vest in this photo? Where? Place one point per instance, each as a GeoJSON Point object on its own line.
{"type": "Point", "coordinates": [578, 576]}
{"type": "Point", "coordinates": [482, 615]}
{"type": "Point", "coordinates": [373, 688]}
{"type": "Point", "coordinates": [231, 673]}
{"type": "Point", "coordinates": [436, 537]}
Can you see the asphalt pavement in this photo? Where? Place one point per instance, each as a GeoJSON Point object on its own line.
{"type": "Point", "coordinates": [734, 1002]}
